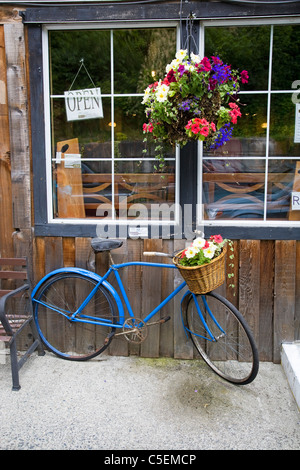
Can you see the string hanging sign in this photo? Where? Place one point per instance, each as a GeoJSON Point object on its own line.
{"type": "Point", "coordinates": [85, 103]}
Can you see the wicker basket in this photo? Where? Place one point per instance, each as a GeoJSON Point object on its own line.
{"type": "Point", "coordinates": [204, 278]}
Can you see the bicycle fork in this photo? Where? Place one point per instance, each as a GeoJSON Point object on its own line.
{"type": "Point", "coordinates": [211, 336]}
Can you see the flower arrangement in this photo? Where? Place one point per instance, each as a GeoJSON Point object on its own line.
{"type": "Point", "coordinates": [202, 264]}
{"type": "Point", "coordinates": [192, 102]}
{"type": "Point", "coordinates": [202, 251]}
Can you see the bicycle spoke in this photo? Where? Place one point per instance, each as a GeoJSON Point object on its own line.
{"type": "Point", "coordinates": [232, 354]}
{"type": "Point", "coordinates": [56, 302]}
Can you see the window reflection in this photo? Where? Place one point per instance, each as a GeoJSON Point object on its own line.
{"type": "Point", "coordinates": [244, 47]}
{"type": "Point", "coordinates": [286, 50]}
{"type": "Point", "coordinates": [283, 178]}
{"type": "Point", "coordinates": [234, 181]}
{"type": "Point", "coordinates": [249, 135]}
{"type": "Point", "coordinates": [282, 126]}
{"type": "Point", "coordinates": [99, 168]}
{"type": "Point", "coordinates": [233, 189]}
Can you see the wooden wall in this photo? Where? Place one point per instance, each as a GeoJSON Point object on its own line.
{"type": "Point", "coordinates": [267, 289]}
{"type": "Point", "coordinates": [267, 279]}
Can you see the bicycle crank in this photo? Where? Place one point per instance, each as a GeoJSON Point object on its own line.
{"type": "Point", "coordinates": [135, 330]}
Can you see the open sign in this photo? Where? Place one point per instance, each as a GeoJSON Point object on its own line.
{"type": "Point", "coordinates": [83, 104]}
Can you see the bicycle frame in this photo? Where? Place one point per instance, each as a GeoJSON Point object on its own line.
{"type": "Point", "coordinates": [114, 269]}
{"type": "Point", "coordinates": [102, 280]}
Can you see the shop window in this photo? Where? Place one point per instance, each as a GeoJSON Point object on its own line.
{"type": "Point", "coordinates": [253, 177]}
{"type": "Point", "coordinates": [99, 168]}
{"type": "Point", "coordinates": [92, 172]}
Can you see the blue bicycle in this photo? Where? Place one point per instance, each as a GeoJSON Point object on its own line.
{"type": "Point", "coordinates": [78, 313]}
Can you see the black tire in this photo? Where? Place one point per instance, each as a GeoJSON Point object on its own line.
{"type": "Point", "coordinates": [65, 292]}
{"type": "Point", "coordinates": [232, 354]}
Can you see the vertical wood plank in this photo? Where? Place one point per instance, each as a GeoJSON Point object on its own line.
{"type": "Point", "coordinates": [266, 301]}
{"type": "Point", "coordinates": [249, 283]}
{"type": "Point", "coordinates": [84, 256]}
{"type": "Point", "coordinates": [150, 299]}
{"type": "Point", "coordinates": [120, 346]}
{"type": "Point", "coordinates": [166, 347]}
{"type": "Point", "coordinates": [53, 254]}
{"type": "Point", "coordinates": [19, 124]}
{"type": "Point", "coordinates": [232, 293]}
{"type": "Point", "coordinates": [6, 224]}
{"type": "Point", "coordinates": [82, 250]}
{"type": "Point", "coordinates": [183, 347]}
{"type": "Point", "coordinates": [38, 259]}
{"type": "Point", "coordinates": [285, 291]}
{"type": "Point", "coordinates": [69, 251]}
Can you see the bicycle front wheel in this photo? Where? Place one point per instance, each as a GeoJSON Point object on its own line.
{"type": "Point", "coordinates": [58, 298]}
{"type": "Point", "coordinates": [226, 342]}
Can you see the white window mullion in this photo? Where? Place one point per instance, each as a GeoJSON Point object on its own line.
{"type": "Point", "coordinates": [112, 112]}
{"type": "Point", "coordinates": [268, 123]}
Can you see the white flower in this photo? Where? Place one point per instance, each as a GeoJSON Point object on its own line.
{"type": "Point", "coordinates": [191, 252]}
{"type": "Point", "coordinates": [199, 242]}
{"type": "Point", "coordinates": [195, 58]}
{"type": "Point", "coordinates": [164, 88]}
{"type": "Point", "coordinates": [173, 65]}
{"type": "Point", "coordinates": [190, 68]}
{"type": "Point", "coordinates": [169, 67]}
{"type": "Point", "coordinates": [210, 251]}
{"type": "Point", "coordinates": [146, 95]}
{"type": "Point", "coordinates": [161, 96]}
{"type": "Point", "coordinates": [181, 54]}
{"type": "Point", "coordinates": [162, 93]}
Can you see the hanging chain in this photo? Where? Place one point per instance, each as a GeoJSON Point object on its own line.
{"type": "Point", "coordinates": [82, 65]}
{"type": "Point", "coordinates": [189, 31]}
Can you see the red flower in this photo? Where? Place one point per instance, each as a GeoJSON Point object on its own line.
{"type": "Point", "coordinates": [170, 76]}
{"type": "Point", "coordinates": [244, 76]}
{"type": "Point", "coordinates": [212, 126]}
{"type": "Point", "coordinates": [205, 65]}
{"type": "Point", "coordinates": [216, 238]}
{"type": "Point", "coordinates": [195, 129]}
{"type": "Point", "coordinates": [234, 113]}
{"type": "Point", "coordinates": [204, 131]}
{"type": "Point", "coordinates": [183, 254]}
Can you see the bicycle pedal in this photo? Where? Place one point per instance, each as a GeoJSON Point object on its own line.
{"type": "Point", "coordinates": [164, 320]}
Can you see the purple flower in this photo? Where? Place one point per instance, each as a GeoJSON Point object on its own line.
{"type": "Point", "coordinates": [224, 134]}
{"type": "Point", "coordinates": [181, 69]}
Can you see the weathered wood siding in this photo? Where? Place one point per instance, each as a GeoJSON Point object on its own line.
{"type": "Point", "coordinates": [267, 289]}
{"type": "Point", "coordinates": [267, 273]}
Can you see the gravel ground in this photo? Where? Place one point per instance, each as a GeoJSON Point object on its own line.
{"type": "Point", "coordinates": [132, 403]}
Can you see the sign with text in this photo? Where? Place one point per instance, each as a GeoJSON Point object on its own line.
{"type": "Point", "coordinates": [83, 104]}
{"type": "Point", "coordinates": [295, 201]}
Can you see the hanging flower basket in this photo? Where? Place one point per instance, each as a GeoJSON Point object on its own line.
{"type": "Point", "coordinates": [202, 265]}
{"type": "Point", "coordinates": [196, 100]}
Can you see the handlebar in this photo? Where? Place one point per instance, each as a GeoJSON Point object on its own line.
{"type": "Point", "coordinates": [157, 253]}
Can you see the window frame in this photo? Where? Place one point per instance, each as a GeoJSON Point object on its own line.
{"type": "Point", "coordinates": [111, 223]}
{"type": "Point", "coordinates": [190, 171]}
{"type": "Point", "coordinates": [255, 229]}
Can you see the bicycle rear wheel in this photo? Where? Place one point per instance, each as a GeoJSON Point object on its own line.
{"type": "Point", "coordinates": [60, 297]}
{"type": "Point", "coordinates": [231, 353]}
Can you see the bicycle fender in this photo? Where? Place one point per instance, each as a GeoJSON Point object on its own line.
{"type": "Point", "coordinates": [85, 273]}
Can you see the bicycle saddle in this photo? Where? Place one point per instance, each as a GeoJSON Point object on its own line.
{"type": "Point", "coordinates": [104, 244]}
